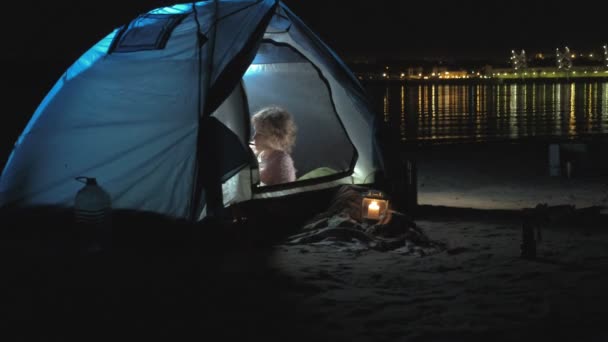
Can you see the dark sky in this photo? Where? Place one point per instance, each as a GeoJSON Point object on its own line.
{"type": "Point", "coordinates": [457, 28]}
{"type": "Point", "coordinates": [410, 28]}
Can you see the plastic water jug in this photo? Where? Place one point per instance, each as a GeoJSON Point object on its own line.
{"type": "Point", "coordinates": [92, 213]}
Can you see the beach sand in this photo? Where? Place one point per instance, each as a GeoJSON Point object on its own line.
{"type": "Point", "coordinates": [510, 176]}
{"type": "Point", "coordinates": [476, 288]}
{"type": "Point", "coordinates": [479, 288]}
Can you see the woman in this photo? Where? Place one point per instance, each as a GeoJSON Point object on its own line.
{"type": "Point", "coordinates": [274, 138]}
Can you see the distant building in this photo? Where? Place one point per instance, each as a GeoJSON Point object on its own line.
{"type": "Point", "coordinates": [437, 70]}
{"type": "Point", "coordinates": [414, 72]}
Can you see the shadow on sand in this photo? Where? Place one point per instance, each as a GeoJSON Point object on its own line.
{"type": "Point", "coordinates": [168, 279]}
{"type": "Point", "coordinates": [158, 278]}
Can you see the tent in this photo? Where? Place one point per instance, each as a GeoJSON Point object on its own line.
{"type": "Point", "coordinates": [158, 111]}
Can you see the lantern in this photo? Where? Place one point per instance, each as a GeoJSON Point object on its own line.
{"type": "Point", "coordinates": [374, 206]}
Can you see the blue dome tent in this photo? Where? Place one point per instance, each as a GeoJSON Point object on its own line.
{"type": "Point", "coordinates": [158, 111]}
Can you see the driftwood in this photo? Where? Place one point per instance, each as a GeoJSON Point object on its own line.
{"type": "Point", "coordinates": [342, 221]}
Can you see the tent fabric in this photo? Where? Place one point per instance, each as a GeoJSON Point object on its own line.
{"type": "Point", "coordinates": [348, 95]}
{"type": "Point", "coordinates": [315, 117]}
{"type": "Point", "coordinates": [128, 119]}
{"type": "Point", "coordinates": [147, 32]}
{"type": "Point", "coordinates": [136, 118]}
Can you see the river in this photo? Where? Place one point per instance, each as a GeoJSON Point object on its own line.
{"type": "Point", "coordinates": [443, 112]}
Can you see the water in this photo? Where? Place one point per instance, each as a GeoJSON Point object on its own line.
{"type": "Point", "coordinates": [439, 113]}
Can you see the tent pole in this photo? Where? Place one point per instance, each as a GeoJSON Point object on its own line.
{"type": "Point", "coordinates": [210, 180]}
{"type": "Point", "coordinates": [213, 187]}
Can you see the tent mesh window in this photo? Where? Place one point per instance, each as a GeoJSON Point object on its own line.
{"type": "Point", "coordinates": [146, 32]}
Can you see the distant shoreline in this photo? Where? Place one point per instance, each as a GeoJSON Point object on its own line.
{"type": "Point", "coordinates": [491, 81]}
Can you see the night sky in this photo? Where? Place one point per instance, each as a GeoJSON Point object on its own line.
{"type": "Point", "coordinates": [404, 28]}
{"type": "Point", "coordinates": [454, 28]}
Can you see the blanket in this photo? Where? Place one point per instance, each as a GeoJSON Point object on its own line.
{"type": "Point", "coordinates": [342, 223]}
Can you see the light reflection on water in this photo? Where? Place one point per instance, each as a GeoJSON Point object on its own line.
{"type": "Point", "coordinates": [482, 112]}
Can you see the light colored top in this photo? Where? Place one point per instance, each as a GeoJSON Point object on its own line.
{"type": "Point", "coordinates": [276, 167]}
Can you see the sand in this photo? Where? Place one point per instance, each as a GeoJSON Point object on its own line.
{"type": "Point", "coordinates": [479, 288]}
{"type": "Point", "coordinates": [509, 176]}
{"type": "Point", "coordinates": [476, 288]}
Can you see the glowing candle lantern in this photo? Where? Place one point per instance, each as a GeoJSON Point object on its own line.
{"type": "Point", "coordinates": [374, 206]}
{"type": "Point", "coordinates": [373, 210]}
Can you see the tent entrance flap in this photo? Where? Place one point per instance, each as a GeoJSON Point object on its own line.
{"type": "Point", "coordinates": [322, 142]}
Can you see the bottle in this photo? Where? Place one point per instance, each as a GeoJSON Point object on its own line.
{"type": "Point", "coordinates": [92, 209]}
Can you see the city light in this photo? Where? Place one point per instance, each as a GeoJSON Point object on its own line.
{"type": "Point", "coordinates": [520, 68]}
{"type": "Point", "coordinates": [564, 60]}
{"type": "Point", "coordinates": [518, 60]}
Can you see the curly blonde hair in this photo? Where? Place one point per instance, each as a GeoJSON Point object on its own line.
{"type": "Point", "coordinates": [278, 125]}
